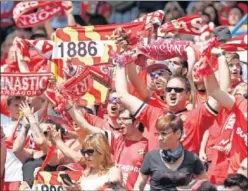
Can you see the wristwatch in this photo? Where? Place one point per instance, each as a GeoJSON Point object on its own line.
{"type": "Point", "coordinates": [221, 54]}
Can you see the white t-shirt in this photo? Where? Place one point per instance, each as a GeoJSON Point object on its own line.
{"type": "Point", "coordinates": [94, 182]}
{"type": "Point", "coordinates": [13, 166]}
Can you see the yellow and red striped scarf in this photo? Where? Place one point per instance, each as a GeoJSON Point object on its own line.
{"type": "Point", "coordinates": [95, 39]}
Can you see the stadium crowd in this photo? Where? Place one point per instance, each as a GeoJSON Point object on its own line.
{"type": "Point", "coordinates": [175, 113]}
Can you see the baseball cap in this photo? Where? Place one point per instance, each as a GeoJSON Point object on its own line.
{"type": "Point", "coordinates": [222, 33]}
{"type": "Point", "coordinates": [158, 65]}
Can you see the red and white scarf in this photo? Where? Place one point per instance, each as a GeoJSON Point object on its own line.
{"type": "Point", "coordinates": [165, 49]}
{"type": "Point", "coordinates": [185, 25]}
{"type": "Point", "coordinates": [155, 18]}
{"type": "Point", "coordinates": [208, 63]}
{"type": "Point", "coordinates": [24, 84]}
{"type": "Point", "coordinates": [238, 43]}
{"type": "Point", "coordinates": [46, 10]}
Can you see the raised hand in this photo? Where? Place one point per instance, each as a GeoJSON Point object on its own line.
{"type": "Point", "coordinates": [26, 109]}
{"type": "Point", "coordinates": [68, 7]}
{"type": "Point", "coordinates": [55, 135]}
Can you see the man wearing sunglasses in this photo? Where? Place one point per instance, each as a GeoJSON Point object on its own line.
{"type": "Point", "coordinates": [177, 95]}
{"type": "Point", "coordinates": [150, 84]}
{"type": "Point", "coordinates": [110, 120]}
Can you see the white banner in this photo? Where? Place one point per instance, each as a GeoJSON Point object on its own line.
{"type": "Point", "coordinates": [79, 49]}
{"type": "Point", "coordinates": [47, 187]}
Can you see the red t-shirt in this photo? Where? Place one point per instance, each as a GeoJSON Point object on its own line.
{"type": "Point", "coordinates": [156, 101]}
{"type": "Point", "coordinates": [240, 138]}
{"type": "Point", "coordinates": [220, 161]}
{"type": "Point", "coordinates": [129, 156]}
{"type": "Point", "coordinates": [196, 121]}
{"type": "Point", "coordinates": [99, 122]}
{"type": "Point", "coordinates": [214, 132]}
{"type": "Point", "coordinates": [201, 97]}
{"type": "Point", "coordinates": [96, 121]}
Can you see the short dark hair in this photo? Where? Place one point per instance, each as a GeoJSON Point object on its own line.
{"type": "Point", "coordinates": [182, 79]}
{"type": "Point", "coordinates": [236, 180]}
{"type": "Point", "coordinates": [124, 109]}
{"type": "Point", "coordinates": [169, 121]}
{"type": "Point", "coordinates": [11, 98]}
{"type": "Point", "coordinates": [207, 186]}
{"type": "Point", "coordinates": [140, 125]}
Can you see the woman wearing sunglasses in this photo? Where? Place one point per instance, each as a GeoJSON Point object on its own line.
{"type": "Point", "coordinates": [171, 165]}
{"type": "Point", "coordinates": [98, 166]}
{"type": "Point", "coordinates": [128, 147]}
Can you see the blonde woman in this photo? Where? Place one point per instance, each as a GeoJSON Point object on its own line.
{"type": "Point", "coordinates": [98, 166]}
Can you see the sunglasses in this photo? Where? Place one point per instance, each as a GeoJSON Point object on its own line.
{"type": "Point", "coordinates": [177, 90]}
{"type": "Point", "coordinates": [89, 152]}
{"type": "Point", "coordinates": [158, 72]}
{"type": "Point", "coordinates": [114, 100]}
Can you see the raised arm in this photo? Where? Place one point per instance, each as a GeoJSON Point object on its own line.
{"type": "Point", "coordinates": [219, 93]}
{"type": "Point", "coordinates": [80, 120]}
{"type": "Point", "coordinates": [132, 103]}
{"type": "Point", "coordinates": [138, 84]}
{"type": "Point", "coordinates": [18, 147]}
{"type": "Point", "coordinates": [37, 133]}
{"type": "Point", "coordinates": [23, 67]}
{"type": "Point", "coordinates": [69, 13]}
{"type": "Point", "coordinates": [191, 61]}
{"type": "Point", "coordinates": [49, 29]}
{"type": "Point", "coordinates": [224, 78]}
{"type": "Point", "coordinates": [69, 153]}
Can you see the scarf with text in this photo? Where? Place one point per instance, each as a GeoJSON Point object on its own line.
{"type": "Point", "coordinates": [24, 84]}
{"type": "Point", "coordinates": [185, 25]}
{"type": "Point", "coordinates": [46, 10]}
{"type": "Point", "coordinates": [165, 49]}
